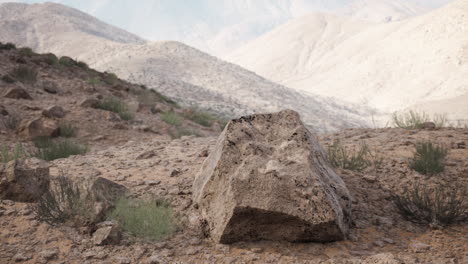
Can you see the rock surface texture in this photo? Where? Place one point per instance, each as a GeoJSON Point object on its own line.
{"type": "Point", "coordinates": [24, 180]}
{"type": "Point", "coordinates": [268, 179]}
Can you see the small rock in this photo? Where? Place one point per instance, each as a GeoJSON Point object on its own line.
{"type": "Point", "coordinates": [50, 87]}
{"type": "Point", "coordinates": [20, 257]}
{"type": "Point", "coordinates": [153, 183]}
{"type": "Point", "coordinates": [204, 153]}
{"type": "Point", "coordinates": [90, 103]}
{"type": "Point", "coordinates": [3, 111]}
{"type": "Point", "coordinates": [256, 250]}
{"type": "Point", "coordinates": [147, 155]}
{"type": "Point", "coordinates": [155, 260]}
{"type": "Point", "coordinates": [166, 253]}
{"type": "Point", "coordinates": [54, 112]}
{"type": "Point", "coordinates": [379, 243]}
{"type": "Point", "coordinates": [17, 93]}
{"type": "Point", "coordinates": [108, 233]}
{"type": "Point", "coordinates": [123, 260]}
{"type": "Point", "coordinates": [49, 254]}
{"type": "Point", "coordinates": [176, 172]}
{"type": "Point", "coordinates": [428, 125]}
{"type": "Point", "coordinates": [370, 178]}
{"type": "Point", "coordinates": [417, 247]}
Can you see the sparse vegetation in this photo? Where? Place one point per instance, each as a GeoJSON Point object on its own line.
{"type": "Point", "coordinates": [26, 52]}
{"type": "Point", "coordinates": [95, 81]}
{"type": "Point", "coordinates": [24, 74]}
{"type": "Point", "coordinates": [172, 118]}
{"type": "Point", "coordinates": [429, 158]}
{"type": "Point", "coordinates": [48, 149]}
{"type": "Point", "coordinates": [415, 120]}
{"type": "Point", "coordinates": [110, 78]}
{"type": "Point", "coordinates": [82, 65]}
{"type": "Point", "coordinates": [356, 160]}
{"type": "Point", "coordinates": [67, 130]}
{"type": "Point", "coordinates": [8, 79]}
{"type": "Point", "coordinates": [149, 219]}
{"type": "Point", "coordinates": [66, 61]}
{"type": "Point", "coordinates": [149, 97]}
{"type": "Point", "coordinates": [11, 122]}
{"type": "Point", "coordinates": [7, 154]}
{"type": "Point", "coordinates": [64, 202]}
{"type": "Point", "coordinates": [51, 59]}
{"type": "Point", "coordinates": [7, 46]}
{"type": "Point", "coordinates": [443, 205]}
{"type": "Point", "coordinates": [200, 117]}
{"type": "Point", "coordinates": [117, 106]}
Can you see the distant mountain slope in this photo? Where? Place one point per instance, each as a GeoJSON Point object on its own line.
{"type": "Point", "coordinates": [382, 10]}
{"type": "Point", "coordinates": [388, 66]}
{"type": "Point", "coordinates": [176, 69]}
{"type": "Point", "coordinates": [36, 25]}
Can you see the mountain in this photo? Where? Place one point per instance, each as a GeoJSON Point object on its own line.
{"type": "Point", "coordinates": [180, 71]}
{"type": "Point", "coordinates": [219, 26]}
{"type": "Point", "coordinates": [387, 66]}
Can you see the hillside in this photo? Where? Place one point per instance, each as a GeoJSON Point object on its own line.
{"type": "Point", "coordinates": [182, 72]}
{"type": "Point", "coordinates": [383, 10]}
{"type": "Point", "coordinates": [391, 66]}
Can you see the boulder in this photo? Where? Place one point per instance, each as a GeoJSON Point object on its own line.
{"type": "Point", "coordinates": [37, 128]}
{"type": "Point", "coordinates": [54, 112]}
{"type": "Point", "coordinates": [268, 179]}
{"type": "Point", "coordinates": [108, 233]}
{"type": "Point", "coordinates": [50, 87]}
{"type": "Point", "coordinates": [17, 93]}
{"type": "Point", "coordinates": [24, 180]}
{"type": "Point", "coordinates": [90, 103]}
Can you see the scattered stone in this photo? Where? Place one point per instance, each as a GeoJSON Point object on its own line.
{"type": "Point", "coordinates": [428, 125]}
{"type": "Point", "coordinates": [379, 243]}
{"type": "Point", "coordinates": [166, 253]}
{"type": "Point", "coordinates": [112, 117]}
{"type": "Point", "coordinates": [24, 180]}
{"type": "Point", "coordinates": [108, 233]}
{"type": "Point", "coordinates": [176, 172]}
{"type": "Point", "coordinates": [49, 254]}
{"type": "Point", "coordinates": [17, 93]}
{"type": "Point", "coordinates": [384, 258]}
{"type": "Point", "coordinates": [90, 103]}
{"type": "Point", "coordinates": [204, 153]}
{"type": "Point", "coordinates": [155, 260]}
{"type": "Point", "coordinates": [37, 128]}
{"type": "Point", "coordinates": [21, 257]}
{"type": "Point", "coordinates": [123, 260]}
{"type": "Point", "coordinates": [268, 178]}
{"type": "Point", "coordinates": [3, 111]}
{"type": "Point", "coordinates": [153, 183]}
{"type": "Point", "coordinates": [54, 112]}
{"type": "Point", "coordinates": [370, 178]}
{"type": "Point", "coordinates": [418, 247]}
{"type": "Point", "coordinates": [50, 87]}
{"type": "Point", "coordinates": [146, 155]}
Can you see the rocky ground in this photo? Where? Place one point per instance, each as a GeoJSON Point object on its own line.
{"type": "Point", "coordinates": [379, 233]}
{"type": "Point", "coordinates": [141, 155]}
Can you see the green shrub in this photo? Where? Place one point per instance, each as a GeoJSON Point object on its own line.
{"type": "Point", "coordinates": [148, 219]}
{"type": "Point", "coordinates": [8, 79]}
{"type": "Point", "coordinates": [51, 59]}
{"type": "Point", "coordinates": [67, 61]}
{"type": "Point", "coordinates": [443, 205]}
{"type": "Point", "coordinates": [63, 202]}
{"type": "Point", "coordinates": [24, 74]}
{"type": "Point", "coordinates": [117, 106]}
{"type": "Point", "coordinates": [415, 120]}
{"type": "Point", "coordinates": [95, 81]}
{"type": "Point", "coordinates": [149, 98]}
{"type": "Point", "coordinates": [110, 78]}
{"type": "Point", "coordinates": [67, 130]}
{"type": "Point", "coordinates": [428, 158]}
{"type": "Point", "coordinates": [82, 65]}
{"type": "Point", "coordinates": [172, 118]}
{"type": "Point", "coordinates": [7, 46]}
{"type": "Point", "coordinates": [356, 160]}
{"type": "Point", "coordinates": [48, 149]}
{"type": "Point", "coordinates": [7, 154]}
{"type": "Point", "coordinates": [26, 52]}
{"type": "Point", "coordinates": [202, 118]}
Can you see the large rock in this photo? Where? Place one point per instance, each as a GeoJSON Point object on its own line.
{"type": "Point", "coordinates": [37, 128]}
{"type": "Point", "coordinates": [24, 180]}
{"type": "Point", "coordinates": [17, 93]}
{"type": "Point", "coordinates": [268, 179]}
{"type": "Point", "coordinates": [54, 112]}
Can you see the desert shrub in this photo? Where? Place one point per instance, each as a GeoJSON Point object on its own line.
{"type": "Point", "coordinates": [64, 202]}
{"type": "Point", "coordinates": [8, 79]}
{"type": "Point", "coordinates": [95, 81]}
{"type": "Point", "coordinates": [66, 61]}
{"type": "Point", "coordinates": [356, 159]}
{"type": "Point", "coordinates": [26, 52]}
{"type": "Point", "coordinates": [24, 74]}
{"type": "Point", "coordinates": [148, 97]}
{"type": "Point", "coordinates": [200, 117]}
{"type": "Point", "coordinates": [172, 118]}
{"type": "Point", "coordinates": [7, 154]}
{"type": "Point", "coordinates": [48, 149]}
{"type": "Point", "coordinates": [181, 132]}
{"type": "Point", "coordinates": [117, 106]}
{"type": "Point", "coordinates": [82, 65]}
{"type": "Point", "coordinates": [7, 46]}
{"type": "Point", "coordinates": [148, 219]}
{"type": "Point", "coordinates": [11, 122]}
{"type": "Point", "coordinates": [67, 130]}
{"type": "Point", "coordinates": [110, 79]}
{"type": "Point", "coordinates": [428, 158]}
{"type": "Point", "coordinates": [415, 120]}
{"type": "Point", "coordinates": [443, 205]}
{"type": "Point", "coordinates": [51, 59]}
